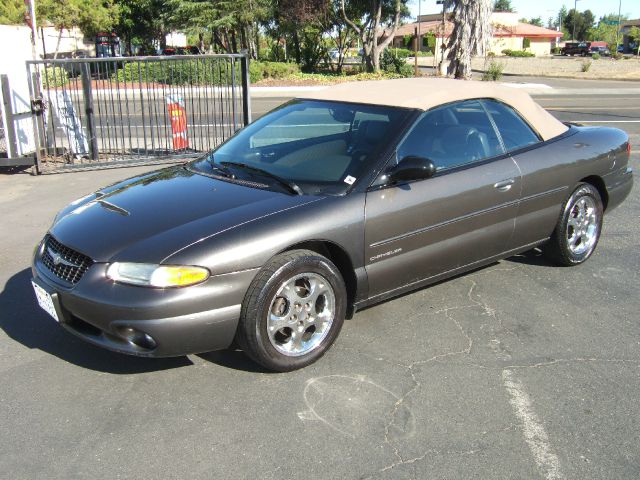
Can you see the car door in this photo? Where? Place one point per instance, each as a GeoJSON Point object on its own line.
{"type": "Point", "coordinates": [545, 171]}
{"type": "Point", "coordinates": [462, 215]}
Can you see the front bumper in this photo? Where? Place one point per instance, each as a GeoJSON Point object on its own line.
{"type": "Point", "coordinates": [145, 321]}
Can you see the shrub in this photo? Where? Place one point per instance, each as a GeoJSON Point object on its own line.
{"type": "Point", "coordinates": [526, 43]}
{"type": "Point", "coordinates": [392, 63]}
{"type": "Point", "coordinates": [494, 72]}
{"type": "Point", "coordinates": [402, 52]}
{"type": "Point", "coordinates": [517, 53]}
{"type": "Point", "coordinates": [556, 50]}
{"type": "Point", "coordinates": [263, 70]}
{"type": "Point", "coordinates": [179, 72]}
{"type": "Point", "coordinates": [55, 77]}
{"type": "Point", "coordinates": [596, 56]}
{"type": "Point", "coordinates": [617, 55]}
{"type": "Point", "coordinates": [586, 65]}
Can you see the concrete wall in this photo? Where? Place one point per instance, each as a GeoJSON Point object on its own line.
{"type": "Point", "coordinates": [17, 43]}
{"type": "Point", "coordinates": [540, 46]}
{"type": "Point", "coordinates": [498, 44]}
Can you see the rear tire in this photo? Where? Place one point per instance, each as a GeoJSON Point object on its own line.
{"type": "Point", "coordinates": [578, 229]}
{"type": "Point", "coordinates": [293, 311]}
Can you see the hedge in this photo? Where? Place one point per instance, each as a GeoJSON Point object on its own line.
{"type": "Point", "coordinates": [263, 70]}
{"type": "Point", "coordinates": [180, 72]}
{"type": "Point", "coordinates": [517, 53]}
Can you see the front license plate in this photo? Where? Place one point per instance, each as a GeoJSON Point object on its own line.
{"type": "Point", "coordinates": [45, 301]}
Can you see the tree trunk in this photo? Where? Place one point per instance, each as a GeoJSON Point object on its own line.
{"type": "Point", "coordinates": [55, 53]}
{"type": "Point", "coordinates": [470, 36]}
{"type": "Point", "coordinates": [296, 45]}
{"type": "Point", "coordinates": [234, 41]}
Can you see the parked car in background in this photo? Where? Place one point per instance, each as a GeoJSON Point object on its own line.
{"type": "Point", "coordinates": [603, 51]}
{"type": "Point", "coordinates": [188, 50]}
{"type": "Point", "coordinates": [576, 48]}
{"type": "Point", "coordinates": [332, 202]}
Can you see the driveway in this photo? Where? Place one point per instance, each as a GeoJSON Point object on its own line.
{"type": "Point", "coordinates": [517, 370]}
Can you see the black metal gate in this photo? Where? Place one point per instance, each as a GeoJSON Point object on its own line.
{"type": "Point", "coordinates": [104, 112]}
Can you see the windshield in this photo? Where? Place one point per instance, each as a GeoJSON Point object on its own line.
{"type": "Point", "coordinates": [309, 147]}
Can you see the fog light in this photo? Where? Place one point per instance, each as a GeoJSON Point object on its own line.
{"type": "Point", "coordinates": [138, 338]}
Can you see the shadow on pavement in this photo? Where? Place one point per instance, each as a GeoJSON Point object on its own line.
{"type": "Point", "coordinates": [532, 257]}
{"type": "Point", "coordinates": [23, 321]}
{"type": "Point", "coordinates": [234, 359]}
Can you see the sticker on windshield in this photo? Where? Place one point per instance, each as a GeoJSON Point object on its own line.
{"type": "Point", "coordinates": [349, 180]}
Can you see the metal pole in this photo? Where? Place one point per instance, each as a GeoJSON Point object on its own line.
{"type": "Point", "coordinates": [246, 97]}
{"type": "Point", "coordinates": [88, 108]}
{"type": "Point", "coordinates": [37, 114]}
{"type": "Point", "coordinates": [575, 12]}
{"type": "Point", "coordinates": [419, 15]}
{"type": "Point", "coordinates": [618, 27]}
{"type": "Point", "coordinates": [415, 51]}
{"type": "Point", "coordinates": [34, 34]}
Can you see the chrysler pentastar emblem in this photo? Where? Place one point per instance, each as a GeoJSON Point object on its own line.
{"type": "Point", "coordinates": [58, 260]}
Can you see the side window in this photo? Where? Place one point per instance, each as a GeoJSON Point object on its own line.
{"type": "Point", "coordinates": [452, 136]}
{"type": "Point", "coordinates": [514, 130]}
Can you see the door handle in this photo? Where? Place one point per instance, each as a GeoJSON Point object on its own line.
{"type": "Point", "coordinates": [504, 185]}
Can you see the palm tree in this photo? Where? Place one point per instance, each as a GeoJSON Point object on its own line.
{"type": "Point", "coordinates": [471, 35]}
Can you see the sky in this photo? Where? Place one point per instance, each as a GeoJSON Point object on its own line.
{"type": "Point", "coordinates": [549, 8]}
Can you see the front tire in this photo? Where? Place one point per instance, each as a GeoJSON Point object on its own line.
{"type": "Point", "coordinates": [578, 229]}
{"type": "Point", "coordinates": [293, 311]}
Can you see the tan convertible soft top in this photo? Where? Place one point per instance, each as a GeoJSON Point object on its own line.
{"type": "Point", "coordinates": [427, 93]}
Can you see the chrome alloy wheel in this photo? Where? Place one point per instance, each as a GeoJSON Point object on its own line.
{"type": "Point", "coordinates": [301, 314]}
{"type": "Point", "coordinates": [582, 226]}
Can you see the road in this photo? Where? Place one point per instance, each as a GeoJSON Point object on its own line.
{"type": "Point", "coordinates": [518, 370]}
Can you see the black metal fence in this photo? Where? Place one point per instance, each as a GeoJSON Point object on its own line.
{"type": "Point", "coordinates": [94, 113]}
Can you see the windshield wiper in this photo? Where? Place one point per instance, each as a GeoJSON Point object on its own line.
{"type": "Point", "coordinates": [220, 168]}
{"type": "Point", "coordinates": [292, 187]}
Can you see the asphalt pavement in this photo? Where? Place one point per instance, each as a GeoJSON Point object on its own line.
{"type": "Point", "coordinates": [518, 370]}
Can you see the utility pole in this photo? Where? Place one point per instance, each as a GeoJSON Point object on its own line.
{"type": "Point", "coordinates": [618, 28]}
{"type": "Point", "coordinates": [442, 37]}
{"type": "Point", "coordinates": [418, 38]}
{"type": "Point", "coordinates": [32, 23]}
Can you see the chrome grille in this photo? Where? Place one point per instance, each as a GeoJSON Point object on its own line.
{"type": "Point", "coordinates": [64, 262]}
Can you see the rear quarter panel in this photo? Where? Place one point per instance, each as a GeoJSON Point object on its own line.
{"type": "Point", "coordinates": [551, 171]}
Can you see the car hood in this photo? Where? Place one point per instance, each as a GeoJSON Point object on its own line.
{"type": "Point", "coordinates": [147, 218]}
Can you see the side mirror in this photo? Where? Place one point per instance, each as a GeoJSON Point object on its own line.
{"type": "Point", "coordinates": [412, 168]}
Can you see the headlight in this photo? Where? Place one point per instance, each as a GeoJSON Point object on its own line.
{"type": "Point", "coordinates": [151, 275]}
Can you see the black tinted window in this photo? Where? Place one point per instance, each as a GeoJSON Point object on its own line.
{"type": "Point", "coordinates": [451, 136]}
{"type": "Point", "coordinates": [514, 130]}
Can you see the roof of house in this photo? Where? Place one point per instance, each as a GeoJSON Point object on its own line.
{"type": "Point", "coordinates": [519, 30]}
{"type": "Point", "coordinates": [428, 93]}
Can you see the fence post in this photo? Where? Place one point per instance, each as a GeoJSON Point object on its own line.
{"type": "Point", "coordinates": [88, 108]}
{"type": "Point", "coordinates": [246, 98]}
{"type": "Point", "coordinates": [9, 126]}
{"type": "Point", "coordinates": [37, 112]}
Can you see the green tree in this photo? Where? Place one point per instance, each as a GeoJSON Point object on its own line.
{"type": "Point", "coordinates": [502, 6]}
{"type": "Point", "coordinates": [91, 16]}
{"type": "Point", "coordinates": [604, 30]}
{"type": "Point", "coordinates": [634, 36]}
{"type": "Point", "coordinates": [537, 21]}
{"type": "Point", "coordinates": [144, 23]}
{"type": "Point", "coordinates": [12, 12]}
{"type": "Point", "coordinates": [583, 23]}
{"type": "Point", "coordinates": [374, 17]}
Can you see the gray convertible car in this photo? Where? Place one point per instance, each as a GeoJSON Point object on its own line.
{"type": "Point", "coordinates": [327, 204]}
